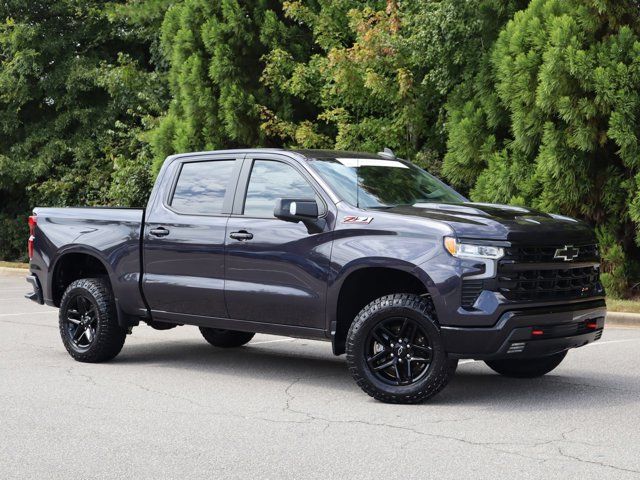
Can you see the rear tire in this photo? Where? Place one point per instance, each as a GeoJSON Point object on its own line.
{"type": "Point", "coordinates": [225, 338]}
{"type": "Point", "coordinates": [88, 321]}
{"type": "Point", "coordinates": [526, 367]}
{"type": "Point", "coordinates": [395, 352]}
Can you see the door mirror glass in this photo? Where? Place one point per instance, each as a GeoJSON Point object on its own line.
{"type": "Point", "coordinates": [295, 209]}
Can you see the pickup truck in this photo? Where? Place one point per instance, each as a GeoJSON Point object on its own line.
{"type": "Point", "coordinates": [367, 251]}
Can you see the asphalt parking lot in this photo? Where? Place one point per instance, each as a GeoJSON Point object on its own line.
{"type": "Point", "coordinates": [172, 406]}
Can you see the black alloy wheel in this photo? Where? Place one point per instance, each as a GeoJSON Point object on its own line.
{"type": "Point", "coordinates": [395, 351]}
{"type": "Point", "coordinates": [88, 321]}
{"type": "Point", "coordinates": [398, 351]}
{"type": "Point", "coordinates": [81, 321]}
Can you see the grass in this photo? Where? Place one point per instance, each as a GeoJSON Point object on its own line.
{"type": "Point", "coordinates": [627, 306]}
{"type": "Point", "coordinates": [14, 265]}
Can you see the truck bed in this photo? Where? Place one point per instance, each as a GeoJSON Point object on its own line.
{"type": "Point", "coordinates": [110, 234]}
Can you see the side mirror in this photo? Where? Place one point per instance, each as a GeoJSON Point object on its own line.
{"type": "Point", "coordinates": [296, 210]}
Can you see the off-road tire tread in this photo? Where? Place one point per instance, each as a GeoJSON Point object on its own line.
{"type": "Point", "coordinates": [228, 339]}
{"type": "Point", "coordinates": [418, 304]}
{"type": "Point", "coordinates": [111, 336]}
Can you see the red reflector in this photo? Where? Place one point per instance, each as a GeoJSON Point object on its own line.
{"type": "Point", "coordinates": [537, 332]}
{"type": "Point", "coordinates": [33, 221]}
{"type": "Point", "coordinates": [592, 325]}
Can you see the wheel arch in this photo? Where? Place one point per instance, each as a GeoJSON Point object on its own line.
{"type": "Point", "coordinates": [364, 281]}
{"type": "Point", "coordinates": [80, 261]}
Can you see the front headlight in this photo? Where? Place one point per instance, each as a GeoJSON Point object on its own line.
{"type": "Point", "coordinates": [471, 250]}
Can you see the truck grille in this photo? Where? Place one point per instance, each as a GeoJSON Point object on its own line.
{"type": "Point", "coordinates": [529, 254]}
{"type": "Point", "coordinates": [548, 284]}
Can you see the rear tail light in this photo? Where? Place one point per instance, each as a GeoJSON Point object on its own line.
{"type": "Point", "coordinates": [33, 221]}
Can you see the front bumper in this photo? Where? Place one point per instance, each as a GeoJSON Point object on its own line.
{"type": "Point", "coordinates": [528, 333]}
{"type": "Point", "coordinates": [36, 295]}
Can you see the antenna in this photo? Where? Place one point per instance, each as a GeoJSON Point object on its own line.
{"type": "Point", "coordinates": [388, 153]}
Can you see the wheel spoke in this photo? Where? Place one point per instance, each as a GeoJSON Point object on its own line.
{"type": "Point", "coordinates": [419, 359]}
{"type": "Point", "coordinates": [409, 372]}
{"type": "Point", "coordinates": [88, 333]}
{"type": "Point", "coordinates": [79, 332]}
{"type": "Point", "coordinates": [384, 365]}
{"type": "Point", "coordinates": [82, 306]}
{"type": "Point", "coordinates": [405, 326]}
{"type": "Point", "coordinates": [386, 332]}
{"type": "Point", "coordinates": [412, 335]}
{"type": "Point", "coordinates": [397, 372]}
{"type": "Point", "coordinates": [377, 356]}
{"type": "Point", "coordinates": [73, 320]}
{"type": "Point", "coordinates": [424, 351]}
{"type": "Point", "coordinates": [380, 339]}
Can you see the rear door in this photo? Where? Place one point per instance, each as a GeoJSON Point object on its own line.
{"type": "Point", "coordinates": [184, 239]}
{"type": "Point", "coordinates": [276, 271]}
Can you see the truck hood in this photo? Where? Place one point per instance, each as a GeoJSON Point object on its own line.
{"type": "Point", "coordinates": [502, 222]}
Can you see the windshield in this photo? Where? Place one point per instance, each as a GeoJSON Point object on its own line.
{"type": "Point", "coordinates": [379, 183]}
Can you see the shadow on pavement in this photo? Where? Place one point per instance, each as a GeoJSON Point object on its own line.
{"type": "Point", "coordinates": [471, 386]}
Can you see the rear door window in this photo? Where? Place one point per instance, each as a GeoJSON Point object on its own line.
{"type": "Point", "coordinates": [202, 186]}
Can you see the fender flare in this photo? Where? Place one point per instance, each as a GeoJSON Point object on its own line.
{"type": "Point", "coordinates": [123, 319]}
{"type": "Point", "coordinates": [336, 283]}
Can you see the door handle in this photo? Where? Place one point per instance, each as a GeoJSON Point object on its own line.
{"type": "Point", "coordinates": [159, 232]}
{"type": "Point", "coordinates": [241, 235]}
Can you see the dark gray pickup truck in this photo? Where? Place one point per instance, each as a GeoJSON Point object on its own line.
{"type": "Point", "coordinates": [392, 266]}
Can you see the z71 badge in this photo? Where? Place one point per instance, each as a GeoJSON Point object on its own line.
{"type": "Point", "coordinates": [355, 219]}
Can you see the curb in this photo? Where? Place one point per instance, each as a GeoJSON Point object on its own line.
{"type": "Point", "coordinates": [623, 318]}
{"type": "Point", "coordinates": [15, 270]}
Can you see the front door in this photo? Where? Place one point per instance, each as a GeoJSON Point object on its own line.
{"type": "Point", "coordinates": [184, 241]}
{"type": "Point", "coordinates": [276, 271]}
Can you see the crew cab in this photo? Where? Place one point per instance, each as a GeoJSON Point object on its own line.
{"type": "Point", "coordinates": [367, 251]}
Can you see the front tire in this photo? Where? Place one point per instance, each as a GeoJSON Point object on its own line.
{"type": "Point", "coordinates": [395, 352]}
{"type": "Point", "coordinates": [526, 367]}
{"type": "Point", "coordinates": [225, 338]}
{"type": "Point", "coordinates": [88, 321]}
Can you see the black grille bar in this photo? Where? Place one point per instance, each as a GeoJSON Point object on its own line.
{"type": "Point", "coordinates": [554, 283]}
{"type": "Point", "coordinates": [540, 254]}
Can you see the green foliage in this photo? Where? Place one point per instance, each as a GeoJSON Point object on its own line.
{"type": "Point", "coordinates": [512, 101]}
{"type": "Point", "coordinates": [215, 52]}
{"type": "Point", "coordinates": [76, 96]}
{"type": "Point", "coordinates": [551, 120]}
{"type": "Point", "coordinates": [379, 72]}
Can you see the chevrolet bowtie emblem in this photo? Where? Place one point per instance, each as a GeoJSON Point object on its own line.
{"type": "Point", "coordinates": [568, 253]}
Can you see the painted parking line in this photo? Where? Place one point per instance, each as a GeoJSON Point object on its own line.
{"type": "Point", "coordinates": [27, 313]}
{"type": "Point", "coordinates": [463, 362]}
{"type": "Point", "coordinates": [6, 299]}
{"type": "Point", "coordinates": [595, 344]}
{"type": "Point", "coordinates": [273, 341]}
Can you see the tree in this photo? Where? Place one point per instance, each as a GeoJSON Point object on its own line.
{"type": "Point", "coordinates": [381, 71]}
{"type": "Point", "coordinates": [75, 93]}
{"type": "Point", "coordinates": [551, 121]}
{"type": "Point", "coordinates": [215, 52]}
